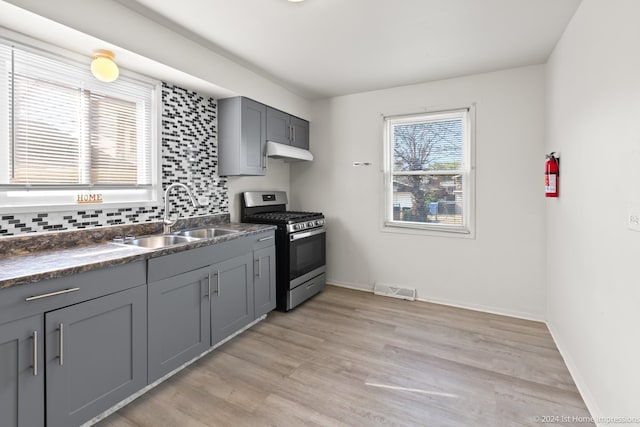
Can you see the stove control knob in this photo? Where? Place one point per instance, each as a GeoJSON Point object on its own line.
{"type": "Point", "coordinates": [319, 222]}
{"type": "Point", "coordinates": [296, 226]}
{"type": "Point", "coordinates": [310, 224]}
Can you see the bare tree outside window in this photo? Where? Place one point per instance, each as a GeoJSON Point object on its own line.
{"type": "Point", "coordinates": [427, 169]}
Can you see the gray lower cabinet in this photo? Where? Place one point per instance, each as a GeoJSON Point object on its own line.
{"type": "Point", "coordinates": [264, 280]}
{"type": "Point", "coordinates": [242, 137]}
{"type": "Point", "coordinates": [232, 296]}
{"type": "Point", "coordinates": [83, 343]}
{"type": "Point", "coordinates": [22, 373]}
{"type": "Point", "coordinates": [95, 355]}
{"type": "Point", "coordinates": [179, 326]}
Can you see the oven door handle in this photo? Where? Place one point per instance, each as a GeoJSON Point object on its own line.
{"type": "Point", "coordinates": [304, 235]}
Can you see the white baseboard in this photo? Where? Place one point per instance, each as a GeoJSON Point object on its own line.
{"type": "Point", "coordinates": [451, 303]}
{"type": "Point", "coordinates": [578, 379]}
{"type": "Point", "coordinates": [355, 286]}
{"type": "Point", "coordinates": [485, 309]}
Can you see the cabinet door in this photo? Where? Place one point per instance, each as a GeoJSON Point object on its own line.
{"type": "Point", "coordinates": [253, 138]}
{"type": "Point", "coordinates": [179, 310]}
{"type": "Point", "coordinates": [96, 354]}
{"type": "Point", "coordinates": [232, 302]}
{"type": "Point", "coordinates": [22, 373]}
{"type": "Point", "coordinates": [300, 133]}
{"type": "Point", "coordinates": [278, 126]}
{"type": "Point", "coordinates": [264, 280]}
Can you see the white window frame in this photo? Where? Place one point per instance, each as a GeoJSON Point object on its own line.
{"type": "Point", "coordinates": [467, 230]}
{"type": "Point", "coordinates": [64, 198]}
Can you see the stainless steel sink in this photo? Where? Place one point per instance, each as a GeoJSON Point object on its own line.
{"type": "Point", "coordinates": [206, 233]}
{"type": "Point", "coordinates": [160, 241]}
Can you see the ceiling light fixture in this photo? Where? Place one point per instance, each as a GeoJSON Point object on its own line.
{"type": "Point", "coordinates": [296, 1]}
{"type": "Point", "coordinates": [103, 67]}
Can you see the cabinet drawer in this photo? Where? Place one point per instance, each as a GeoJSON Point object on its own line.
{"type": "Point", "coordinates": [306, 290]}
{"type": "Point", "coordinates": [91, 284]}
{"type": "Point", "coordinates": [182, 262]}
{"type": "Point", "coordinates": [263, 240]}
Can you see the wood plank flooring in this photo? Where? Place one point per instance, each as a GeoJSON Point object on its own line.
{"type": "Point", "coordinates": [349, 358]}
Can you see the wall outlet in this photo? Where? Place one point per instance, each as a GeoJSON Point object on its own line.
{"type": "Point", "coordinates": [204, 201]}
{"type": "Point", "coordinates": [634, 220]}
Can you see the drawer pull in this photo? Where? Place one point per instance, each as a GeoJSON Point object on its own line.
{"type": "Point", "coordinates": [264, 239]}
{"type": "Point", "coordinates": [61, 343]}
{"type": "Point", "coordinates": [35, 353]}
{"type": "Point", "coordinates": [52, 294]}
{"type": "Point", "coordinates": [259, 272]}
{"type": "Point", "coordinates": [209, 287]}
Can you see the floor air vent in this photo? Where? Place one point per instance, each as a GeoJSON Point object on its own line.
{"type": "Point", "coordinates": [394, 291]}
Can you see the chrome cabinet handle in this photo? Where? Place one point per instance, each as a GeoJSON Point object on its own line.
{"type": "Point", "coordinates": [52, 294]}
{"type": "Point", "coordinates": [35, 353]}
{"type": "Point", "coordinates": [259, 273]}
{"type": "Point", "coordinates": [209, 280]}
{"type": "Point", "coordinates": [294, 133]}
{"type": "Point", "coordinates": [218, 283]}
{"type": "Point", "coordinates": [264, 239]}
{"type": "Point", "coordinates": [61, 343]}
{"type": "Point", "coordinates": [290, 133]}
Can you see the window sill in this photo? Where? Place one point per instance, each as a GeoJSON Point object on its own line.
{"type": "Point", "coordinates": [427, 230]}
{"type": "Point", "coordinates": [74, 207]}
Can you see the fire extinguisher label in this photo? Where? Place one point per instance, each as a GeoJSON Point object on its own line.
{"type": "Point", "coordinates": [550, 183]}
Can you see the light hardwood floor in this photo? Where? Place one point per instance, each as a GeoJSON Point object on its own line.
{"type": "Point", "coordinates": [349, 358]}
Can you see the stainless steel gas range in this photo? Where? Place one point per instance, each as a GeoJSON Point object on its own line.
{"type": "Point", "coordinates": [300, 245]}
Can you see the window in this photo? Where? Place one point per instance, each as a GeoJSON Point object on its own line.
{"type": "Point", "coordinates": [66, 137]}
{"type": "Point", "coordinates": [428, 173]}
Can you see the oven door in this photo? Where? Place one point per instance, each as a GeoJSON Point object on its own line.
{"type": "Point", "coordinates": [307, 255]}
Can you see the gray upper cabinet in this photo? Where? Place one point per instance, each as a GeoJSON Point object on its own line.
{"type": "Point", "coordinates": [232, 296]}
{"type": "Point", "coordinates": [22, 373]}
{"type": "Point", "coordinates": [278, 127]}
{"type": "Point", "coordinates": [179, 311]}
{"type": "Point", "coordinates": [299, 133]}
{"type": "Point", "coordinates": [284, 128]}
{"type": "Point", "coordinates": [96, 354]}
{"type": "Point", "coordinates": [242, 137]}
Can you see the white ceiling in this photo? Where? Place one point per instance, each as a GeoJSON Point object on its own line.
{"type": "Point", "coordinates": [322, 48]}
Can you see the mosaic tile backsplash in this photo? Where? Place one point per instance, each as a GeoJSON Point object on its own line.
{"type": "Point", "coordinates": [189, 155]}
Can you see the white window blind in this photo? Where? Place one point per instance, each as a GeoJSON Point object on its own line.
{"type": "Point", "coordinates": [62, 129]}
{"type": "Point", "coordinates": [67, 128]}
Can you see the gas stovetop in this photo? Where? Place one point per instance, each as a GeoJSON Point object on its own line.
{"type": "Point", "coordinates": [270, 208]}
{"type": "Point", "coordinates": [294, 221]}
{"type": "Point", "coordinates": [288, 217]}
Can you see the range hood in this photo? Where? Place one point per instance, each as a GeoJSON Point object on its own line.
{"type": "Point", "coordinates": [287, 152]}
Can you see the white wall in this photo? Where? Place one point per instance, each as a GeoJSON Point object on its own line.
{"type": "Point", "coordinates": [276, 178]}
{"type": "Point", "coordinates": [112, 22]}
{"type": "Point", "coordinates": [501, 270]}
{"type": "Point", "coordinates": [593, 110]}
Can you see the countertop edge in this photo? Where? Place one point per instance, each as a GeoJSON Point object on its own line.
{"type": "Point", "coordinates": [146, 254]}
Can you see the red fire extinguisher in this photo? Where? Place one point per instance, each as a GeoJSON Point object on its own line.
{"type": "Point", "coordinates": [551, 175]}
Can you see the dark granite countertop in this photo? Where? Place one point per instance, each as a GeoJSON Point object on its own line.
{"type": "Point", "coordinates": [79, 251]}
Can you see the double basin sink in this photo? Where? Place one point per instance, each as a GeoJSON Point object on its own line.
{"type": "Point", "coordinates": [160, 241]}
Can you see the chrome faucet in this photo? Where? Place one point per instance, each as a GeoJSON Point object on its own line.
{"type": "Point", "coordinates": [168, 223]}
